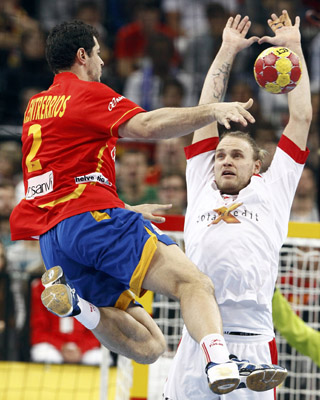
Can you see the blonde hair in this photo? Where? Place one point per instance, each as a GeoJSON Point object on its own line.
{"type": "Point", "coordinates": [258, 153]}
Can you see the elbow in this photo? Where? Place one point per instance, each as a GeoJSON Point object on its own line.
{"type": "Point", "coordinates": [141, 126]}
{"type": "Point", "coordinates": [147, 126]}
{"type": "Point", "coordinates": [304, 116]}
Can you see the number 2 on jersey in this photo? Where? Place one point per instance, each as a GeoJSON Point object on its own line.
{"type": "Point", "coordinates": [32, 164]}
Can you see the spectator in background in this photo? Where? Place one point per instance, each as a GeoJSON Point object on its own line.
{"type": "Point", "coordinates": [133, 39]}
{"type": "Point", "coordinates": [89, 12]}
{"type": "Point", "coordinates": [7, 203]}
{"type": "Point", "coordinates": [131, 179]}
{"type": "Point", "coordinates": [144, 86]}
{"type": "Point", "coordinates": [10, 162]}
{"type": "Point", "coordinates": [59, 340]}
{"type": "Point", "coordinates": [173, 190]}
{"type": "Point", "coordinates": [169, 157]}
{"type": "Point", "coordinates": [202, 49]}
{"type": "Point", "coordinates": [119, 13]}
{"type": "Point", "coordinates": [304, 206]}
{"type": "Point", "coordinates": [31, 71]}
{"type": "Point", "coordinates": [14, 20]}
{"type": "Point", "coordinates": [172, 93]}
{"type": "Point", "coordinates": [187, 17]}
{"type": "Point", "coordinates": [51, 13]}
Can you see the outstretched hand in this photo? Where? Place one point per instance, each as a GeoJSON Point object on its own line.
{"type": "Point", "coordinates": [235, 111]}
{"type": "Point", "coordinates": [148, 210]}
{"type": "Point", "coordinates": [235, 32]}
{"type": "Point", "coordinates": [286, 34]}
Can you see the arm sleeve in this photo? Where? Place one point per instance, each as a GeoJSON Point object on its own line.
{"type": "Point", "coordinates": [296, 332]}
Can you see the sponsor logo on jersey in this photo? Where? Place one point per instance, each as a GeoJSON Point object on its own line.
{"type": "Point", "coordinates": [229, 215]}
{"type": "Point", "coordinates": [93, 177]}
{"type": "Point", "coordinates": [40, 185]}
{"type": "Point", "coordinates": [113, 103]}
{"type": "Point", "coordinates": [224, 213]}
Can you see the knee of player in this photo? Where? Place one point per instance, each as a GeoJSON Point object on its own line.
{"type": "Point", "coordinates": [151, 351]}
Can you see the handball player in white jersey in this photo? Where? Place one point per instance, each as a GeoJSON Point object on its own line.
{"type": "Point", "coordinates": [237, 218]}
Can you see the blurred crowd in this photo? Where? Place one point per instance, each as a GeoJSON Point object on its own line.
{"type": "Point", "coordinates": [156, 53]}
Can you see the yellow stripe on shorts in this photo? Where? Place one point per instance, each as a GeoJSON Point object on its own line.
{"type": "Point", "coordinates": [100, 216]}
{"type": "Point", "coordinates": [139, 273]}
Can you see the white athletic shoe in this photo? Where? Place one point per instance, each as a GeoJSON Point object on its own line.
{"type": "Point", "coordinates": [223, 378]}
{"type": "Point", "coordinates": [59, 297]}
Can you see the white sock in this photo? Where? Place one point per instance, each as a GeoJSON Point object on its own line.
{"type": "Point", "coordinates": [90, 314]}
{"type": "Point", "coordinates": [214, 348]}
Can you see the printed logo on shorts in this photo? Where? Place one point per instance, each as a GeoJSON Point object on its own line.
{"type": "Point", "coordinates": [93, 177]}
{"type": "Point", "coordinates": [40, 185]}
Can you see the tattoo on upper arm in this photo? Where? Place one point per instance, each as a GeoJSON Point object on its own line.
{"type": "Point", "coordinates": [220, 81]}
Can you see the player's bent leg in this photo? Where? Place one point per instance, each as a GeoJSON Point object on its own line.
{"type": "Point", "coordinates": [132, 333]}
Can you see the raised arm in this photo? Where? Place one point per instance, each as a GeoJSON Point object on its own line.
{"type": "Point", "coordinates": [299, 99]}
{"type": "Point", "coordinates": [215, 85]}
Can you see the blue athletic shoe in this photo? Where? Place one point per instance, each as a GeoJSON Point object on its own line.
{"type": "Point", "coordinates": [59, 297]}
{"type": "Point", "coordinates": [259, 377]}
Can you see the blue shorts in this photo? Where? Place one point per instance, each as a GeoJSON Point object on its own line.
{"type": "Point", "coordinates": [105, 254]}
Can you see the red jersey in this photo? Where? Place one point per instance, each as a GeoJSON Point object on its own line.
{"type": "Point", "coordinates": [68, 143]}
{"type": "Point", "coordinates": [131, 41]}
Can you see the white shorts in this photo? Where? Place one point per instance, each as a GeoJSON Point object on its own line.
{"type": "Point", "coordinates": [187, 379]}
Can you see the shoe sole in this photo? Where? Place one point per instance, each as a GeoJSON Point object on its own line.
{"type": "Point", "coordinates": [260, 381]}
{"type": "Point", "coordinates": [224, 386]}
{"type": "Point", "coordinates": [57, 299]}
{"type": "Point", "coordinates": [51, 276]}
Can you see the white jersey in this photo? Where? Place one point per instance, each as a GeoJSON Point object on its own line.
{"type": "Point", "coordinates": [236, 240]}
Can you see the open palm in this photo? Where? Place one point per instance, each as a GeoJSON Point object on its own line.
{"type": "Point", "coordinates": [235, 32]}
{"type": "Point", "coordinates": [286, 34]}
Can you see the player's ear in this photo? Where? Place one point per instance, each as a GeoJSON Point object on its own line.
{"type": "Point", "coordinates": [81, 55]}
{"type": "Point", "coordinates": [257, 166]}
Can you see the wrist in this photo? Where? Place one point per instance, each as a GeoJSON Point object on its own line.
{"type": "Point", "coordinates": [229, 49]}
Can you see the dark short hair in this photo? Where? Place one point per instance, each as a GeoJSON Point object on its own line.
{"type": "Point", "coordinates": [63, 42]}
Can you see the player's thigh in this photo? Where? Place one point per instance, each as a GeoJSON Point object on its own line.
{"type": "Point", "coordinates": [169, 269]}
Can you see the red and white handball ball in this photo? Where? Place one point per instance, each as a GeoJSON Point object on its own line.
{"type": "Point", "coordinates": [277, 70]}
